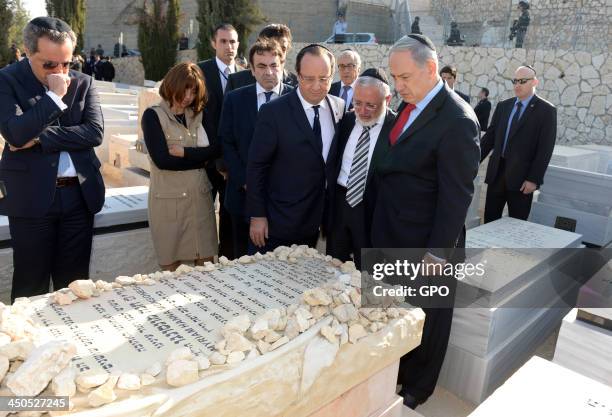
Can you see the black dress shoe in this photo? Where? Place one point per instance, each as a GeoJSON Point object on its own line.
{"type": "Point", "coordinates": [409, 401]}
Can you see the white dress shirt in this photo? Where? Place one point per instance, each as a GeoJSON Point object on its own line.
{"type": "Point", "coordinates": [65, 167]}
{"type": "Point", "coordinates": [349, 94]}
{"type": "Point", "coordinates": [420, 106]}
{"type": "Point", "coordinates": [221, 65]}
{"type": "Point", "coordinates": [351, 145]}
{"type": "Point", "coordinates": [326, 120]}
{"type": "Point", "coordinates": [261, 97]}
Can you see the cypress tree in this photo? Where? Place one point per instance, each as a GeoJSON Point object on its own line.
{"type": "Point", "coordinates": [158, 37]}
{"type": "Point", "coordinates": [71, 12]}
{"type": "Point", "coordinates": [6, 19]}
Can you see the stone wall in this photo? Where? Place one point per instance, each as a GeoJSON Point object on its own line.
{"type": "Point", "coordinates": [564, 24]}
{"type": "Point", "coordinates": [578, 83]}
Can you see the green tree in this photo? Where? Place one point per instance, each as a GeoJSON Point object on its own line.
{"type": "Point", "coordinates": [21, 17]}
{"type": "Point", "coordinates": [158, 37]}
{"type": "Point", "coordinates": [245, 15]}
{"type": "Point", "coordinates": [6, 19]}
{"type": "Point", "coordinates": [71, 12]}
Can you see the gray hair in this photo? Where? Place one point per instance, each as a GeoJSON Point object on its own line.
{"type": "Point", "coordinates": [353, 54]}
{"type": "Point", "coordinates": [367, 81]}
{"type": "Point", "coordinates": [420, 53]}
{"type": "Point", "coordinates": [32, 33]}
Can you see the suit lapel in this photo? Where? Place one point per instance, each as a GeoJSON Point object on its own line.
{"type": "Point", "coordinates": [428, 113]}
{"type": "Point", "coordinates": [29, 80]}
{"type": "Point", "coordinates": [382, 144]}
{"type": "Point", "coordinates": [252, 98]}
{"type": "Point", "coordinates": [215, 80]}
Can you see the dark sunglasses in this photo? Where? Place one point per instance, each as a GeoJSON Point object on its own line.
{"type": "Point", "coordinates": [520, 80]}
{"type": "Point", "coordinates": [49, 65]}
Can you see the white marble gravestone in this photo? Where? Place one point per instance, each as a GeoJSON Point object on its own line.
{"type": "Point", "coordinates": [515, 305]}
{"type": "Point", "coordinates": [543, 388]}
{"type": "Point", "coordinates": [130, 98]}
{"type": "Point", "coordinates": [576, 158]}
{"type": "Point", "coordinates": [605, 157]}
{"type": "Point", "coordinates": [129, 328]}
{"type": "Point", "coordinates": [585, 348]}
{"type": "Point", "coordinates": [119, 149]}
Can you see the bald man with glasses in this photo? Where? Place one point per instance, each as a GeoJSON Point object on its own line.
{"type": "Point", "coordinates": [521, 137]}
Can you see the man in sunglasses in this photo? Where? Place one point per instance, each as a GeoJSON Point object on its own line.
{"type": "Point", "coordinates": [521, 136]}
{"type": "Point", "coordinates": [51, 120]}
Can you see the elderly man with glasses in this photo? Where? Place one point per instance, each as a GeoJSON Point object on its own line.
{"type": "Point", "coordinates": [521, 136]}
{"type": "Point", "coordinates": [349, 66]}
{"type": "Point", "coordinates": [51, 119]}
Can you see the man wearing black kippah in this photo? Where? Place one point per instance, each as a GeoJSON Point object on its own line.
{"type": "Point", "coordinates": [51, 120]}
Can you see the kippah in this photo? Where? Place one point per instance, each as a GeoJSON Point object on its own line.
{"type": "Point", "coordinates": [377, 73]}
{"type": "Point", "coordinates": [51, 23]}
{"type": "Point", "coordinates": [424, 40]}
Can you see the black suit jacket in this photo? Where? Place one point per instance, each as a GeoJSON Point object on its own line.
{"type": "Point", "coordinates": [245, 77]}
{"type": "Point", "coordinates": [483, 111]}
{"type": "Point", "coordinates": [236, 128]}
{"type": "Point", "coordinates": [463, 96]}
{"type": "Point", "coordinates": [344, 132]}
{"type": "Point", "coordinates": [27, 112]}
{"type": "Point", "coordinates": [530, 144]}
{"type": "Point", "coordinates": [286, 172]}
{"type": "Point", "coordinates": [335, 91]}
{"type": "Point", "coordinates": [423, 185]}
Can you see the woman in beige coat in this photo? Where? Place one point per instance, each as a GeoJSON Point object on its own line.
{"type": "Point", "coordinates": [181, 212]}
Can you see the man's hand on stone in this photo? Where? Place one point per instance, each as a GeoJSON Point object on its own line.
{"type": "Point", "coordinates": [58, 84]}
{"type": "Point", "coordinates": [259, 231]}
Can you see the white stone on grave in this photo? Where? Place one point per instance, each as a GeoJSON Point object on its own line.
{"type": "Point", "coordinates": [583, 196]}
{"type": "Point", "coordinates": [585, 348]}
{"type": "Point", "coordinates": [605, 157]}
{"type": "Point", "coordinates": [123, 206]}
{"type": "Point", "coordinates": [114, 127]}
{"type": "Point", "coordinates": [121, 112]}
{"type": "Point", "coordinates": [131, 327]}
{"type": "Point", "coordinates": [139, 159]}
{"type": "Point", "coordinates": [118, 150]}
{"type": "Point", "coordinates": [147, 98]}
{"type": "Point", "coordinates": [118, 99]}
{"type": "Point", "coordinates": [513, 308]}
{"type": "Point", "coordinates": [104, 86]}
{"type": "Point", "coordinates": [576, 158]}
{"type": "Point", "coordinates": [543, 388]}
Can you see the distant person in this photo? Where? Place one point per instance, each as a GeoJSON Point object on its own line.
{"type": "Point", "coordinates": [483, 108]}
{"type": "Point", "coordinates": [181, 210]}
{"type": "Point", "coordinates": [281, 34]}
{"type": "Point", "coordinates": [108, 70]}
{"type": "Point", "coordinates": [99, 51]}
{"type": "Point", "coordinates": [349, 67]}
{"type": "Point", "coordinates": [339, 30]}
{"type": "Point", "coordinates": [183, 42]}
{"type": "Point", "coordinates": [51, 120]}
{"type": "Point", "coordinates": [98, 68]}
{"type": "Point", "coordinates": [448, 73]}
{"type": "Point", "coordinates": [415, 26]}
{"type": "Point", "coordinates": [519, 27]}
{"type": "Point", "coordinates": [77, 63]}
{"type": "Point", "coordinates": [455, 38]}
{"type": "Point", "coordinates": [16, 56]}
{"type": "Point", "coordinates": [521, 137]}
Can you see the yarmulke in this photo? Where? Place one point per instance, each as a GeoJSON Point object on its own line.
{"type": "Point", "coordinates": [423, 39]}
{"type": "Point", "coordinates": [377, 73]}
{"type": "Point", "coordinates": [51, 23]}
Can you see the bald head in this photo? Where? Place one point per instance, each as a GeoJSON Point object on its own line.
{"type": "Point", "coordinates": [525, 82]}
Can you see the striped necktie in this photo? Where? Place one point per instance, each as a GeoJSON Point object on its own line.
{"type": "Point", "coordinates": [359, 169]}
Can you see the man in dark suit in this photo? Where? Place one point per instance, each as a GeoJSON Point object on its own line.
{"type": "Point", "coordinates": [483, 109]}
{"type": "Point", "coordinates": [236, 128]}
{"type": "Point", "coordinates": [51, 120]}
{"type": "Point", "coordinates": [349, 67]}
{"type": "Point", "coordinates": [216, 72]}
{"type": "Point", "coordinates": [288, 169]}
{"type": "Point", "coordinates": [281, 34]}
{"type": "Point", "coordinates": [422, 188]}
{"type": "Point", "coordinates": [522, 137]}
{"type": "Point", "coordinates": [358, 134]}
{"type": "Point", "coordinates": [449, 75]}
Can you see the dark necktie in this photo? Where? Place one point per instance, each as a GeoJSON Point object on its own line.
{"type": "Point", "coordinates": [513, 125]}
{"type": "Point", "coordinates": [400, 122]}
{"type": "Point", "coordinates": [359, 169]}
{"type": "Point", "coordinates": [316, 125]}
{"type": "Point", "coordinates": [344, 95]}
{"type": "Point", "coordinates": [268, 95]}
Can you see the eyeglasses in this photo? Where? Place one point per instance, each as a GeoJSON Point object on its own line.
{"type": "Point", "coordinates": [346, 66]}
{"type": "Point", "coordinates": [49, 65]}
{"type": "Point", "coordinates": [312, 80]}
{"type": "Point", "coordinates": [520, 80]}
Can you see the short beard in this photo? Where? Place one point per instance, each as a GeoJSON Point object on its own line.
{"type": "Point", "coordinates": [363, 123]}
